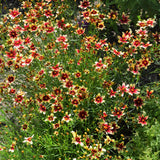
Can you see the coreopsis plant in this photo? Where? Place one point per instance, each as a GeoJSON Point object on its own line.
{"type": "Point", "coordinates": [72, 89]}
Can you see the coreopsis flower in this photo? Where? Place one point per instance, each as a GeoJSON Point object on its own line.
{"type": "Point", "coordinates": [24, 127]}
{"type": "Point", "coordinates": [112, 93]}
{"type": "Point", "coordinates": [64, 76]}
{"type": "Point", "coordinates": [145, 62]}
{"type": "Point", "coordinates": [67, 118]}
{"type": "Point", "coordinates": [150, 22]}
{"type": "Point", "coordinates": [68, 84]}
{"type": "Point", "coordinates": [94, 12]}
{"type": "Point", "coordinates": [149, 93]}
{"type": "Point", "coordinates": [120, 146]}
{"type": "Point", "coordinates": [123, 89]}
{"type": "Point", "coordinates": [76, 138]}
{"type": "Point", "coordinates": [99, 64]}
{"type": "Point", "coordinates": [98, 46]}
{"type": "Point", "coordinates": [45, 97]}
{"type": "Point", "coordinates": [84, 4]}
{"type": "Point", "coordinates": [117, 112]}
{"type": "Point", "coordinates": [12, 148]}
{"type": "Point", "coordinates": [57, 107]}
{"type": "Point", "coordinates": [82, 114]}
{"type": "Point", "coordinates": [142, 32]}
{"type": "Point", "coordinates": [28, 60]}
{"type": "Point", "coordinates": [17, 42]}
{"type": "Point", "coordinates": [114, 127]}
{"type": "Point", "coordinates": [42, 109]}
{"type": "Point", "coordinates": [56, 125]}
{"type": "Point", "coordinates": [145, 45]}
{"type": "Point", "coordinates": [142, 120]}
{"type": "Point", "coordinates": [49, 29]}
{"type": "Point", "coordinates": [134, 68]}
{"type": "Point", "coordinates": [54, 73]}
{"type": "Point", "coordinates": [118, 53]}
{"type": "Point", "coordinates": [27, 40]}
{"type": "Point", "coordinates": [75, 101]}
{"type": "Point", "coordinates": [132, 90]}
{"type": "Point", "coordinates": [106, 128]}
{"type": "Point", "coordinates": [123, 39]}
{"type": "Point", "coordinates": [104, 115]}
{"type": "Point", "coordinates": [14, 13]}
{"type": "Point", "coordinates": [100, 25]}
{"type": "Point", "coordinates": [102, 16]}
{"type": "Point", "coordinates": [19, 98]}
{"type": "Point", "coordinates": [138, 102]}
{"type": "Point", "coordinates": [1, 148]}
{"type": "Point", "coordinates": [136, 43]}
{"type": "Point", "coordinates": [80, 31]}
{"type": "Point", "coordinates": [13, 34]}
{"type": "Point", "coordinates": [99, 99]}
{"type": "Point", "coordinates": [12, 91]}
{"type": "Point", "coordinates": [72, 92]}
{"type": "Point", "coordinates": [77, 74]}
{"type": "Point", "coordinates": [26, 4]}
{"type": "Point", "coordinates": [33, 27]}
{"type": "Point", "coordinates": [142, 24]}
{"type": "Point", "coordinates": [61, 24]}
{"type": "Point", "coordinates": [28, 140]}
{"type": "Point", "coordinates": [124, 19]}
{"type": "Point", "coordinates": [11, 78]}
{"type": "Point", "coordinates": [86, 14]}
{"type": "Point", "coordinates": [48, 13]}
{"type": "Point", "coordinates": [12, 53]}
{"type": "Point", "coordinates": [50, 118]}
{"type": "Point", "coordinates": [112, 14]}
{"type": "Point", "coordinates": [61, 38]}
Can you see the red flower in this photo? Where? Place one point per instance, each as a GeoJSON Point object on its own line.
{"type": "Point", "coordinates": [55, 73]}
{"type": "Point", "coordinates": [17, 43]}
{"type": "Point", "coordinates": [142, 120]}
{"type": "Point", "coordinates": [82, 114]}
{"type": "Point", "coordinates": [62, 38]}
{"type": "Point", "coordinates": [11, 78]}
{"type": "Point", "coordinates": [132, 90]}
{"type": "Point", "coordinates": [42, 109]}
{"type": "Point", "coordinates": [107, 128]}
{"type": "Point", "coordinates": [48, 13]}
{"type": "Point", "coordinates": [117, 112]}
{"type": "Point", "coordinates": [50, 118]}
{"type": "Point", "coordinates": [75, 101]}
{"type": "Point", "coordinates": [80, 31]}
{"type": "Point", "coordinates": [112, 93]}
{"type": "Point", "coordinates": [86, 14]}
{"type": "Point", "coordinates": [138, 102]}
{"type": "Point", "coordinates": [136, 43]}
{"type": "Point", "coordinates": [60, 23]}
{"type": "Point", "coordinates": [68, 84]}
{"type": "Point", "coordinates": [149, 93]}
{"type": "Point", "coordinates": [64, 76]}
{"type": "Point", "coordinates": [84, 4]}
{"type": "Point", "coordinates": [19, 98]}
{"type": "Point", "coordinates": [124, 19]}
{"type": "Point", "coordinates": [57, 107]}
{"type": "Point", "coordinates": [99, 99]}
{"type": "Point", "coordinates": [13, 34]}
{"type": "Point", "coordinates": [45, 98]}
{"type": "Point", "coordinates": [66, 118]}
{"type": "Point", "coordinates": [14, 13]}
{"type": "Point", "coordinates": [11, 54]}
{"type": "Point", "coordinates": [122, 89]}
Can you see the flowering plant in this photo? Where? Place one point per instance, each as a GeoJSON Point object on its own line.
{"type": "Point", "coordinates": [75, 91]}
